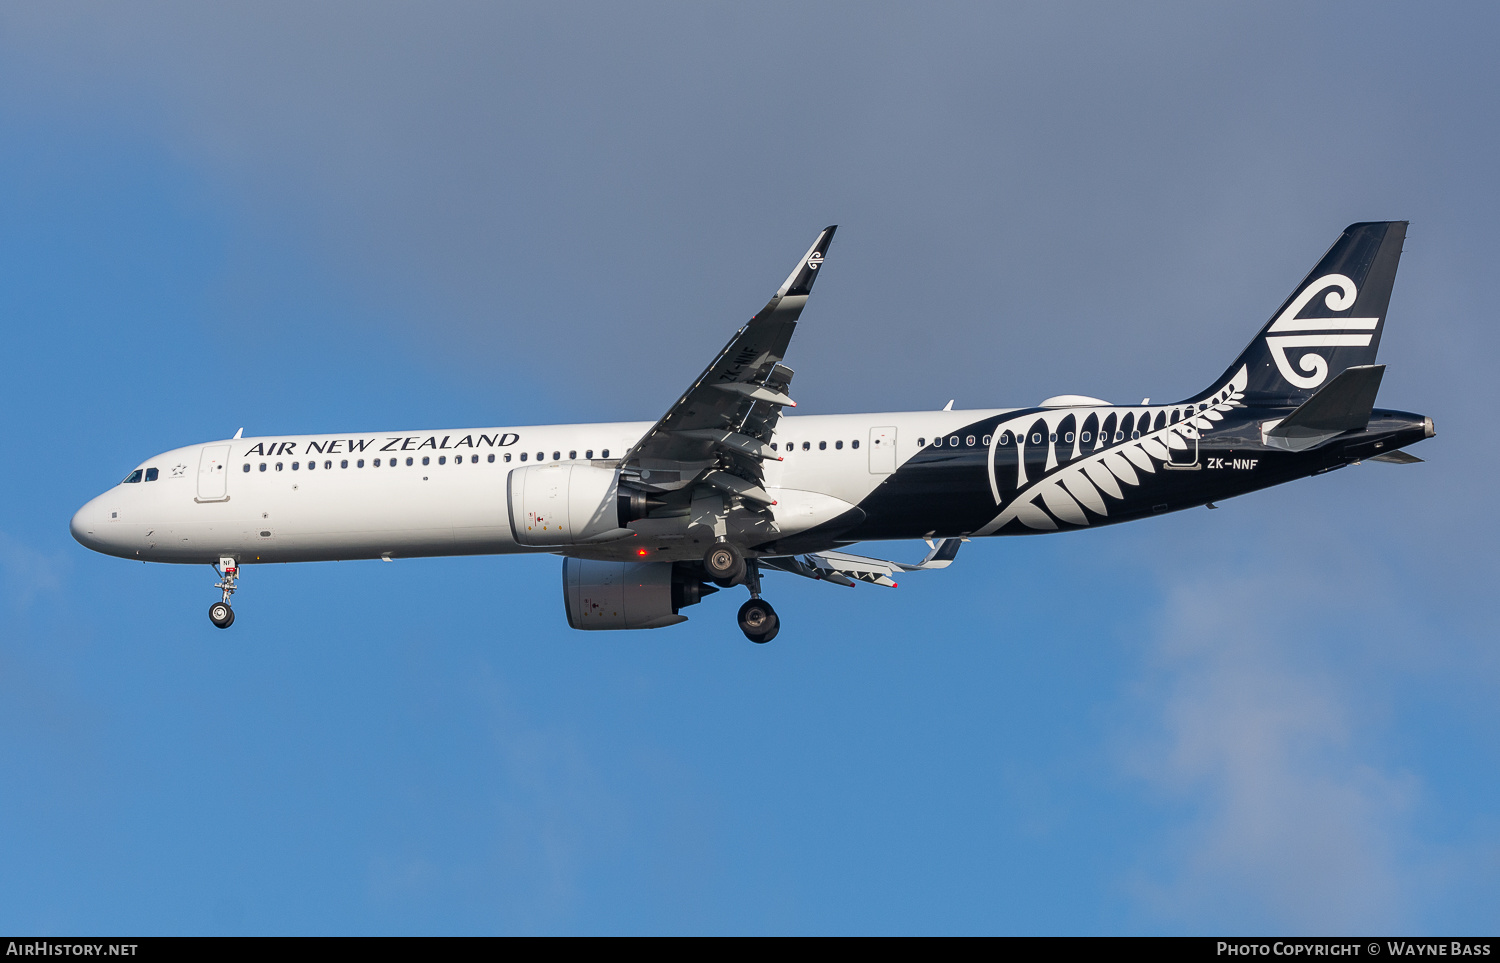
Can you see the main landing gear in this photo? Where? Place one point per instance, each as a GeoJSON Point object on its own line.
{"type": "Point", "coordinates": [220, 613]}
{"type": "Point", "coordinates": [758, 621]}
{"type": "Point", "coordinates": [727, 566]}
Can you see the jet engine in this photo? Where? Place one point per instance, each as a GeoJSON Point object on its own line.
{"type": "Point", "coordinates": [566, 504]}
{"type": "Point", "coordinates": [628, 595]}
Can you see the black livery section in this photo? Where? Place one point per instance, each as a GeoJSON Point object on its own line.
{"type": "Point", "coordinates": [945, 491]}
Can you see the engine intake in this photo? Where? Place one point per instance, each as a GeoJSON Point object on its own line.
{"type": "Point", "coordinates": [565, 504]}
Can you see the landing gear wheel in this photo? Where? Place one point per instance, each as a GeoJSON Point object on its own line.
{"type": "Point", "coordinates": [221, 614]}
{"type": "Point", "coordinates": [725, 564]}
{"type": "Point", "coordinates": [758, 621]}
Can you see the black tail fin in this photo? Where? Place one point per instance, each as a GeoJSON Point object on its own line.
{"type": "Point", "coordinates": [1331, 322]}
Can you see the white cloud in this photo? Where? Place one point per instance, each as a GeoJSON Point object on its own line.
{"type": "Point", "coordinates": [1292, 822]}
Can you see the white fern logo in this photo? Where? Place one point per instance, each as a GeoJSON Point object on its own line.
{"type": "Point", "coordinates": [1313, 365]}
{"type": "Point", "coordinates": [1101, 471]}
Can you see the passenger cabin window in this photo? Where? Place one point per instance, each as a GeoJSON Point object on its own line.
{"type": "Point", "coordinates": [135, 476]}
{"type": "Point", "coordinates": [773, 446]}
{"type": "Point", "coordinates": [921, 442]}
{"type": "Point", "coordinates": [408, 461]}
{"type": "Point", "coordinates": [1052, 438]}
{"type": "Point", "coordinates": [807, 446]}
{"type": "Point", "coordinates": [572, 454]}
{"type": "Point", "coordinates": [822, 446]}
{"type": "Point", "coordinates": [969, 441]}
{"type": "Point", "coordinates": [838, 444]}
{"type": "Point", "coordinates": [1036, 438]}
{"type": "Point", "coordinates": [442, 460]}
{"type": "Point", "coordinates": [311, 465]}
{"type": "Point", "coordinates": [474, 459]}
{"type": "Point", "coordinates": [1068, 438]}
{"type": "Point", "coordinates": [426, 460]}
{"type": "Point", "coordinates": [1086, 436]}
{"type": "Point", "coordinates": [279, 467]}
{"type": "Point", "coordinates": [985, 441]}
{"type": "Point", "coordinates": [329, 464]}
{"type": "Point", "coordinates": [247, 468]}
{"type": "Point", "coordinates": [151, 474]}
{"type": "Point", "coordinates": [296, 465]}
{"type": "Point", "coordinates": [557, 456]}
{"type": "Point", "coordinates": [344, 463]}
{"type": "Point", "coordinates": [855, 443]}
{"type": "Point", "coordinates": [360, 463]}
{"type": "Point", "coordinates": [953, 442]}
{"type": "Point", "coordinates": [492, 458]}
{"type": "Point", "coordinates": [507, 456]}
{"type": "Point", "coordinates": [262, 466]}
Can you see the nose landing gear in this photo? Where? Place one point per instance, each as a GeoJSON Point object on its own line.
{"type": "Point", "coordinates": [220, 613]}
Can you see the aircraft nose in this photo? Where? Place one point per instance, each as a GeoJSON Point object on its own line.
{"type": "Point", "coordinates": [86, 525]}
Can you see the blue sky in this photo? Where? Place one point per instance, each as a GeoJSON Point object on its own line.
{"type": "Point", "coordinates": [1279, 716]}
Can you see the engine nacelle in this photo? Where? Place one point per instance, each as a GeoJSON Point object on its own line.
{"type": "Point", "coordinates": [564, 504]}
{"type": "Point", "coordinates": [625, 595]}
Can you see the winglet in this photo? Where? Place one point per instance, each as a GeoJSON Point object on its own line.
{"type": "Point", "coordinates": [800, 281]}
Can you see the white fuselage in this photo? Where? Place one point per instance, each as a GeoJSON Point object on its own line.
{"type": "Point", "coordinates": [428, 493]}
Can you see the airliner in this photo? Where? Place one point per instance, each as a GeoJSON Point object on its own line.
{"type": "Point", "coordinates": [729, 484]}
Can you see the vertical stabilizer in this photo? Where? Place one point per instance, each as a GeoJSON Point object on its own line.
{"type": "Point", "coordinates": [1331, 322]}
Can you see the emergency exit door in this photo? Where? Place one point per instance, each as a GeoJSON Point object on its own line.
{"type": "Point", "coordinates": [882, 450]}
{"type": "Point", "coordinates": [213, 473]}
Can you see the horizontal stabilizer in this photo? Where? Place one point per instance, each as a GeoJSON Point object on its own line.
{"type": "Point", "coordinates": [1397, 458]}
{"type": "Point", "coordinates": [1344, 404]}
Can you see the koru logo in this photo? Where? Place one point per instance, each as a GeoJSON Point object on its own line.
{"type": "Point", "coordinates": [815, 260]}
{"type": "Point", "coordinates": [1314, 366]}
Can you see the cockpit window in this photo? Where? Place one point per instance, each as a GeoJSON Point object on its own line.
{"type": "Point", "coordinates": [151, 474]}
{"type": "Point", "coordinates": [132, 478]}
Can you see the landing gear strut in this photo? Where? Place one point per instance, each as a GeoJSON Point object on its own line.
{"type": "Point", "coordinates": [220, 613]}
{"type": "Point", "coordinates": [757, 619]}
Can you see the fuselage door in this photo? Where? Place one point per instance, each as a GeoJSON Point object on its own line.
{"type": "Point", "coordinates": [213, 473]}
{"type": "Point", "coordinates": [1182, 448]}
{"type": "Point", "coordinates": [882, 450]}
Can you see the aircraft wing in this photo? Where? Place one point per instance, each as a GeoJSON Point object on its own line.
{"type": "Point", "coordinates": [843, 569]}
{"type": "Point", "coordinates": [727, 416]}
